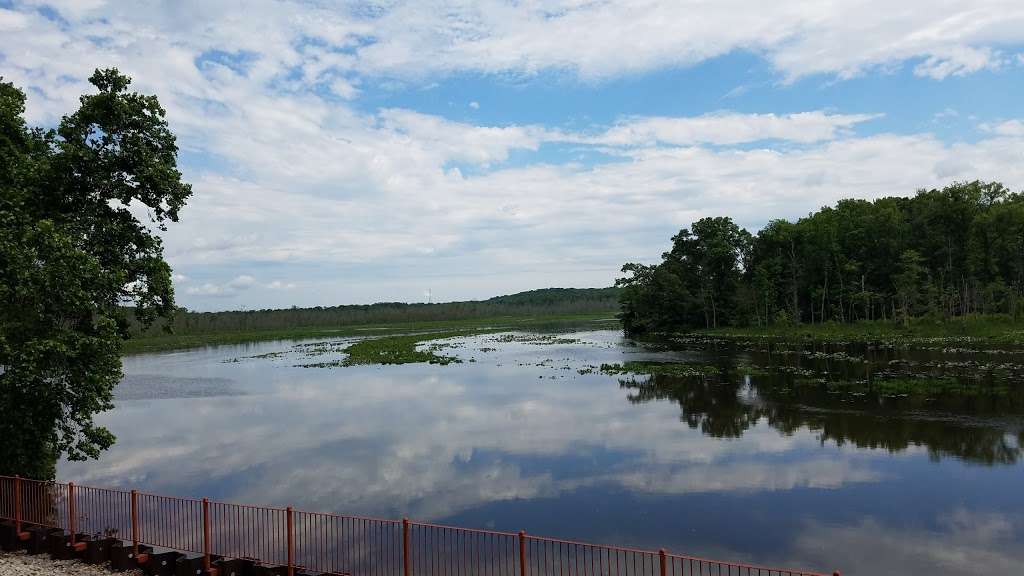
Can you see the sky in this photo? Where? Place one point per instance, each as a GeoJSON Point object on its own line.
{"type": "Point", "coordinates": [355, 152]}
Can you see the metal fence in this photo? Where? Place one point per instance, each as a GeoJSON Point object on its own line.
{"type": "Point", "coordinates": [333, 543]}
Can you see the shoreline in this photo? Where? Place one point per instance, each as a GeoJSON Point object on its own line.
{"type": "Point", "coordinates": [21, 563]}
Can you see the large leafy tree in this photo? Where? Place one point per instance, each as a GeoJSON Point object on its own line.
{"type": "Point", "coordinates": [697, 282]}
{"type": "Point", "coordinates": [73, 254]}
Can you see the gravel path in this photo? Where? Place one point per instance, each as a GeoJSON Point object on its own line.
{"type": "Point", "coordinates": [22, 564]}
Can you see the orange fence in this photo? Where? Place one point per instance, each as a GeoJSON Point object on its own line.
{"type": "Point", "coordinates": [332, 543]}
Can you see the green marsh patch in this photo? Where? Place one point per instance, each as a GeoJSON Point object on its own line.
{"type": "Point", "coordinates": [402, 349]}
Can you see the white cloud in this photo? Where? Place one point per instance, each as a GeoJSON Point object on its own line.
{"type": "Point", "coordinates": [225, 290]}
{"type": "Point", "coordinates": [474, 105]}
{"type": "Point", "coordinates": [243, 282]}
{"type": "Point", "coordinates": [210, 289]}
{"type": "Point", "coordinates": [1012, 128]}
{"type": "Point", "coordinates": [344, 89]}
{"type": "Point", "coordinates": [11, 21]}
{"type": "Point", "coordinates": [445, 140]}
{"type": "Point", "coordinates": [300, 43]}
{"type": "Point", "coordinates": [293, 172]}
{"type": "Point", "coordinates": [731, 128]}
{"type": "Point", "coordinates": [547, 224]}
{"type": "Point", "coordinates": [958, 61]}
{"type": "Point", "coordinates": [600, 39]}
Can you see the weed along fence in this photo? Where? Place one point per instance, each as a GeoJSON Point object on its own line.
{"type": "Point", "coordinates": [188, 537]}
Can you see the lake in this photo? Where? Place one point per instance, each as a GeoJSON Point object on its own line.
{"type": "Point", "coordinates": [527, 432]}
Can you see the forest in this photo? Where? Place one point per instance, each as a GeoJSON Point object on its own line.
{"type": "Point", "coordinates": [547, 301]}
{"type": "Point", "coordinates": [940, 254]}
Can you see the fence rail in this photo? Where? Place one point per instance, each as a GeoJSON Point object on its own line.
{"type": "Point", "coordinates": [333, 543]}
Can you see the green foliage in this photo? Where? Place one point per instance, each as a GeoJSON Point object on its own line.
{"type": "Point", "coordinates": [942, 254]}
{"type": "Point", "coordinates": [71, 253]}
{"type": "Point", "coordinates": [698, 281]}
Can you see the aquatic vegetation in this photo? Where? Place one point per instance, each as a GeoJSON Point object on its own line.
{"type": "Point", "coordinates": [535, 339]}
{"type": "Point", "coordinates": [659, 368]}
{"type": "Point", "coordinates": [402, 349]}
{"type": "Point", "coordinates": [933, 387]}
{"type": "Point", "coordinates": [753, 370]}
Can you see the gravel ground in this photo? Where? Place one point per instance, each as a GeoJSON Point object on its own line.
{"type": "Point", "coordinates": [22, 564]}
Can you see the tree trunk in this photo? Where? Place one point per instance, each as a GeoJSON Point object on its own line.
{"type": "Point", "coordinates": [714, 311]}
{"type": "Point", "coordinates": [824, 297]}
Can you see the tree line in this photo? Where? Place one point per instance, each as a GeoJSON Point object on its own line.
{"type": "Point", "coordinates": [941, 254]}
{"type": "Point", "coordinates": [546, 302]}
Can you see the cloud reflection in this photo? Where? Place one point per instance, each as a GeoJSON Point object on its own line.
{"type": "Point", "coordinates": [961, 542]}
{"type": "Point", "coordinates": [433, 441]}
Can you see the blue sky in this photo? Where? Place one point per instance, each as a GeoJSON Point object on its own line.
{"type": "Point", "coordinates": [351, 152]}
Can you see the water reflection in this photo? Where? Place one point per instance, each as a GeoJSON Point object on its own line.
{"type": "Point", "coordinates": [519, 438]}
{"type": "Point", "coordinates": [728, 406]}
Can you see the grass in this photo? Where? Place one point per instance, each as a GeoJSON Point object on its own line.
{"type": "Point", "coordinates": [996, 329]}
{"type": "Point", "coordinates": [165, 342]}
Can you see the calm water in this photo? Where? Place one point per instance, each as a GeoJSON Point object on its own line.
{"type": "Point", "coordinates": [732, 467]}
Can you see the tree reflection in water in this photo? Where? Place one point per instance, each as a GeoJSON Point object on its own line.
{"type": "Point", "coordinates": [978, 429]}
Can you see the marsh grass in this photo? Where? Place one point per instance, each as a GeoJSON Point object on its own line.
{"type": "Point", "coordinates": [164, 342]}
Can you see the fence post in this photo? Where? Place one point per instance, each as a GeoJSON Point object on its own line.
{"type": "Point", "coordinates": [661, 556]}
{"type": "Point", "coordinates": [405, 547]}
{"type": "Point", "coordinates": [206, 535]}
{"type": "Point", "coordinates": [72, 524]}
{"type": "Point", "coordinates": [17, 504]}
{"type": "Point", "coordinates": [135, 523]}
{"type": "Point", "coordinates": [522, 553]}
{"type": "Point", "coordinates": [291, 543]}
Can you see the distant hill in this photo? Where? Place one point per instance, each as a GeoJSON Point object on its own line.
{"type": "Point", "coordinates": [542, 302]}
{"type": "Point", "coordinates": [555, 296]}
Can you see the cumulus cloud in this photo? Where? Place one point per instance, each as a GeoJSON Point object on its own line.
{"type": "Point", "coordinates": [243, 282]}
{"type": "Point", "coordinates": [730, 128]}
{"type": "Point", "coordinates": [600, 39]}
{"type": "Point", "coordinates": [227, 289]}
{"type": "Point", "coordinates": [210, 289]}
{"type": "Point", "coordinates": [294, 172]}
{"type": "Point", "coordinates": [316, 43]}
{"type": "Point", "coordinates": [1012, 128]}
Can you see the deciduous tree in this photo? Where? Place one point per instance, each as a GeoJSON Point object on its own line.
{"type": "Point", "coordinates": [72, 254]}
